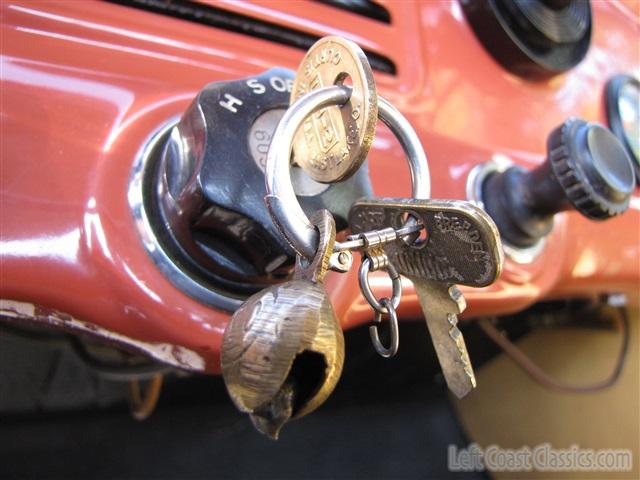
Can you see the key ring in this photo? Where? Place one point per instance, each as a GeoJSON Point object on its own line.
{"type": "Point", "coordinates": [365, 288]}
{"type": "Point", "coordinates": [384, 306]}
{"type": "Point", "coordinates": [394, 342]}
{"type": "Point", "coordinates": [281, 199]}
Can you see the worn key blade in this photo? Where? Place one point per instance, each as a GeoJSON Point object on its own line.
{"type": "Point", "coordinates": [441, 303]}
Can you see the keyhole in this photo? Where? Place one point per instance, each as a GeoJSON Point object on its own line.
{"type": "Point", "coordinates": [417, 239]}
{"type": "Point", "coordinates": [344, 79]}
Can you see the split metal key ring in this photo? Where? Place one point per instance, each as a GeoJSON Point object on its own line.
{"type": "Point", "coordinates": [281, 198]}
{"type": "Point", "coordinates": [385, 306]}
{"type": "Point", "coordinates": [394, 342]}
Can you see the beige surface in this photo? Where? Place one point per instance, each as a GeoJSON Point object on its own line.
{"type": "Point", "coordinates": [511, 410]}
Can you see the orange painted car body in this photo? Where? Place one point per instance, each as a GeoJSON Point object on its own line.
{"type": "Point", "coordinates": [85, 84]}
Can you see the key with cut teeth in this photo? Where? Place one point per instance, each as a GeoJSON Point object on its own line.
{"type": "Point", "coordinates": [459, 244]}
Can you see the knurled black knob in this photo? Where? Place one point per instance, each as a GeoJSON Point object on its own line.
{"type": "Point", "coordinates": [587, 169]}
{"type": "Point", "coordinates": [591, 167]}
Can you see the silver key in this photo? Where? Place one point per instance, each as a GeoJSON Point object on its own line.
{"type": "Point", "coordinates": [462, 246]}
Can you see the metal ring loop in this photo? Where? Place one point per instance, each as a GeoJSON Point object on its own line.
{"type": "Point", "coordinates": [365, 288]}
{"type": "Point", "coordinates": [281, 199]}
{"type": "Point", "coordinates": [394, 342]}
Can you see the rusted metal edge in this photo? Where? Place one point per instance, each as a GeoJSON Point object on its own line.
{"type": "Point", "coordinates": [173, 355]}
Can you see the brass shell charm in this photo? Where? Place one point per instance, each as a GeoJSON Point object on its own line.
{"type": "Point", "coordinates": [282, 354]}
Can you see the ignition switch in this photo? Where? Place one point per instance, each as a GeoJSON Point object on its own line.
{"type": "Point", "coordinates": [587, 169]}
{"type": "Point", "coordinates": [206, 193]}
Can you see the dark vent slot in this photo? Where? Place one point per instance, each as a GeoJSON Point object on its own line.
{"type": "Point", "coordinates": [365, 8]}
{"type": "Point", "coordinates": [235, 22]}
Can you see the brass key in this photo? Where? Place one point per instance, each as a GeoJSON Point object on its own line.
{"type": "Point", "coordinates": [462, 246]}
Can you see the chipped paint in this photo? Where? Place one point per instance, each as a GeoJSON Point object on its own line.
{"type": "Point", "coordinates": [174, 355]}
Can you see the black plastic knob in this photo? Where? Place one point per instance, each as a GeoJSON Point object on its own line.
{"type": "Point", "coordinates": [587, 169]}
{"type": "Point", "coordinates": [211, 187]}
{"type": "Point", "coordinates": [592, 169]}
{"type": "Point", "coordinates": [535, 39]}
